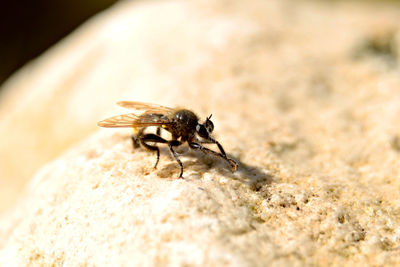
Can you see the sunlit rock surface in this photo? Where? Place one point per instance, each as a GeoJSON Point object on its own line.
{"type": "Point", "coordinates": [304, 95]}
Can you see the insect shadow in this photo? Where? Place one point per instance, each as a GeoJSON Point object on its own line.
{"type": "Point", "coordinates": [253, 176]}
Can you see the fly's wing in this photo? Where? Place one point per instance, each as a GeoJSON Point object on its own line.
{"type": "Point", "coordinates": [132, 120]}
{"type": "Point", "coordinates": [148, 108]}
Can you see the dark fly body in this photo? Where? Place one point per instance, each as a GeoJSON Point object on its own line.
{"type": "Point", "coordinates": [183, 125]}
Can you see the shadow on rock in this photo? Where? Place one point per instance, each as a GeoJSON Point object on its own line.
{"type": "Point", "coordinates": [255, 177]}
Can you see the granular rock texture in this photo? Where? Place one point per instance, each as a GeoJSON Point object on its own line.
{"type": "Point", "coordinates": [304, 95]}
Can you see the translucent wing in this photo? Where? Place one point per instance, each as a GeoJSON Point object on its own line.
{"type": "Point", "coordinates": [147, 107]}
{"type": "Point", "coordinates": [132, 120]}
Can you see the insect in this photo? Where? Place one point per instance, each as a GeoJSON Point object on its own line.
{"type": "Point", "coordinates": [183, 125]}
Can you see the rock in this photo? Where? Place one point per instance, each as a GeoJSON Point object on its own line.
{"type": "Point", "coordinates": [313, 128]}
{"type": "Point", "coordinates": [101, 204]}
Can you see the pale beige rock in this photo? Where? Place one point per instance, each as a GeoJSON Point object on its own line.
{"type": "Point", "coordinates": [304, 95]}
{"type": "Point", "coordinates": [114, 209]}
{"type": "Point", "coordinates": [124, 53]}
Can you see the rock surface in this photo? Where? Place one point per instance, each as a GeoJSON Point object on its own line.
{"type": "Point", "coordinates": [303, 94]}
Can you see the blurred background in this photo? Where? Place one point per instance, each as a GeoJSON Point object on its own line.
{"type": "Point", "coordinates": [28, 28]}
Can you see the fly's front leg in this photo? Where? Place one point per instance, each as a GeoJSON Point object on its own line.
{"type": "Point", "coordinates": [212, 141]}
{"type": "Point", "coordinates": [219, 147]}
{"type": "Point", "coordinates": [172, 144]}
{"type": "Point", "coordinates": [198, 146]}
{"type": "Point", "coordinates": [152, 138]}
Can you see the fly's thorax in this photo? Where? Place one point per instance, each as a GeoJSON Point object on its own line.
{"type": "Point", "coordinates": [185, 122]}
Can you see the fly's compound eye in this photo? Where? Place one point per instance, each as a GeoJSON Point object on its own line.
{"type": "Point", "coordinates": [201, 130]}
{"type": "Point", "coordinates": [209, 125]}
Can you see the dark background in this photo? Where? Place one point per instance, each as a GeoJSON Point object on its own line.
{"type": "Point", "coordinates": [29, 27]}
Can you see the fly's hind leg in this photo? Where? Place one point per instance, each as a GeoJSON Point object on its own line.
{"type": "Point", "coordinates": [152, 138]}
{"type": "Point", "coordinates": [136, 138]}
{"type": "Point", "coordinates": [144, 139]}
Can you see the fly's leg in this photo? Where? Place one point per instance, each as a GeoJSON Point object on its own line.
{"type": "Point", "coordinates": [219, 147]}
{"type": "Point", "coordinates": [135, 141]}
{"type": "Point", "coordinates": [136, 138]}
{"type": "Point", "coordinates": [152, 138]}
{"type": "Point", "coordinates": [171, 144]}
{"type": "Point", "coordinates": [198, 146]}
{"type": "Point", "coordinates": [212, 141]}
